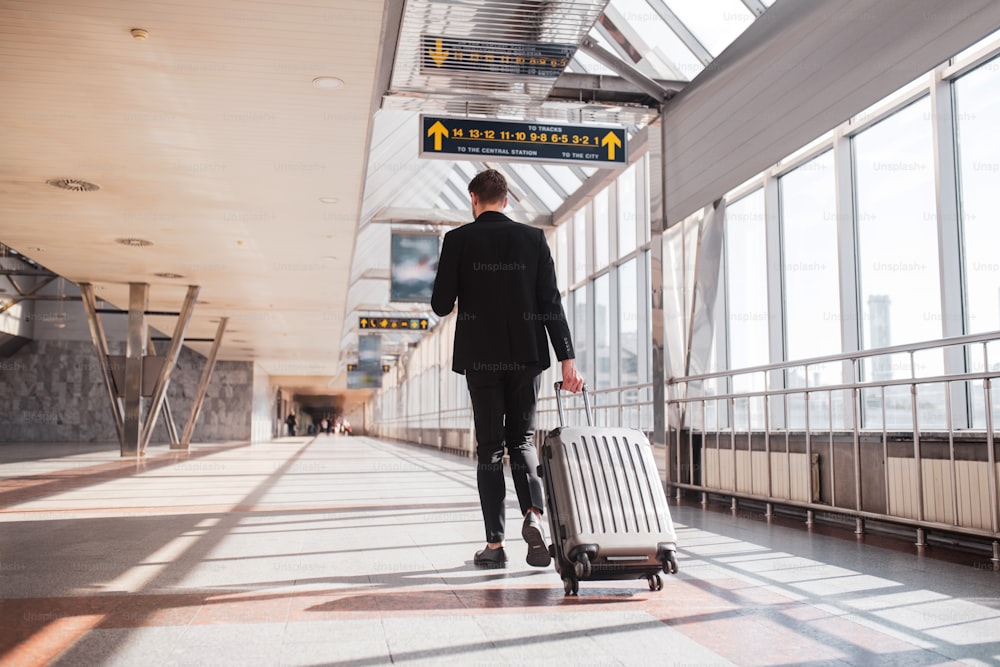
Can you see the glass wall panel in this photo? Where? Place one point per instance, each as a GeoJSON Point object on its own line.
{"type": "Point", "coordinates": [602, 331]}
{"type": "Point", "coordinates": [580, 245]}
{"type": "Point", "coordinates": [746, 289]}
{"type": "Point", "coordinates": [810, 271]}
{"type": "Point", "coordinates": [562, 258]}
{"type": "Point", "coordinates": [977, 106]}
{"type": "Point", "coordinates": [810, 263]}
{"type": "Point", "coordinates": [580, 337]}
{"type": "Point", "coordinates": [716, 23]}
{"type": "Point", "coordinates": [977, 102]}
{"type": "Point", "coordinates": [898, 255]}
{"type": "Point", "coordinates": [601, 230]}
{"type": "Point", "coordinates": [679, 249]}
{"type": "Point", "coordinates": [627, 208]}
{"type": "Point", "coordinates": [628, 324]}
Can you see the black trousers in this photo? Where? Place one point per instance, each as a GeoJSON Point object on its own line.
{"type": "Point", "coordinates": [503, 407]}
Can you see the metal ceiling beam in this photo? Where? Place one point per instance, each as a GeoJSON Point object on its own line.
{"type": "Point", "coordinates": [610, 90]}
{"type": "Point", "coordinates": [626, 71]}
{"type": "Point", "coordinates": [420, 216]}
{"type": "Point", "coordinates": [755, 6]}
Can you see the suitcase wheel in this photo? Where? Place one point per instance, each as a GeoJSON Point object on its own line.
{"type": "Point", "coordinates": [583, 567]}
{"type": "Point", "coordinates": [655, 582]}
{"type": "Point", "coordinates": [571, 586]}
{"type": "Point", "coordinates": [669, 560]}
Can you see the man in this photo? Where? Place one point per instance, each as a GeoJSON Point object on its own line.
{"type": "Point", "coordinates": [502, 274]}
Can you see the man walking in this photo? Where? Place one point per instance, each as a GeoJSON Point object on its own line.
{"type": "Point", "coordinates": [502, 274]}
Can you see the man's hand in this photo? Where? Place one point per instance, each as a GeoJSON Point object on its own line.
{"type": "Point", "coordinates": [572, 381]}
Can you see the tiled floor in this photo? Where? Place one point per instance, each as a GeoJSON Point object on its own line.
{"type": "Point", "coordinates": [355, 551]}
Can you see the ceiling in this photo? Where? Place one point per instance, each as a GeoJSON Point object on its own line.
{"type": "Point", "coordinates": [204, 128]}
{"type": "Point", "coordinates": [208, 139]}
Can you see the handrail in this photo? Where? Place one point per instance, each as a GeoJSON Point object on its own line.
{"type": "Point", "coordinates": [844, 356]}
{"type": "Point", "coordinates": [873, 384]}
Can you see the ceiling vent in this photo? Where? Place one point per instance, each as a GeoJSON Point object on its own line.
{"type": "Point", "coordinates": [134, 242]}
{"type": "Point", "coordinates": [73, 184]}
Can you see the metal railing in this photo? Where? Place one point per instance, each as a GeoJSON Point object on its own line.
{"type": "Point", "coordinates": [690, 402]}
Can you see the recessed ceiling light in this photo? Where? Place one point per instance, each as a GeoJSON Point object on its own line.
{"type": "Point", "coordinates": [134, 242]}
{"type": "Point", "coordinates": [73, 184]}
{"type": "Point", "coordinates": [328, 82]}
{"type": "Point", "coordinates": [35, 248]}
{"type": "Point", "coordinates": [329, 200]}
{"type": "Point", "coordinates": [139, 34]}
{"type": "Point", "coordinates": [329, 258]}
{"type": "Point", "coordinates": [169, 275]}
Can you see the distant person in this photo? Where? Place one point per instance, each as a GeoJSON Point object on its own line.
{"type": "Point", "coordinates": [503, 276]}
{"type": "Point", "coordinates": [292, 422]}
{"type": "Point", "coordinates": [324, 426]}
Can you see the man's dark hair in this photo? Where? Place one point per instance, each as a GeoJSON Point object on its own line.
{"type": "Point", "coordinates": [490, 186]}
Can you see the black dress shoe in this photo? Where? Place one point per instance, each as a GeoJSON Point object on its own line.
{"type": "Point", "coordinates": [491, 557]}
{"type": "Point", "coordinates": [531, 531]}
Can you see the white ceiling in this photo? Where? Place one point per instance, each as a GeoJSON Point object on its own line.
{"type": "Point", "coordinates": [207, 139]}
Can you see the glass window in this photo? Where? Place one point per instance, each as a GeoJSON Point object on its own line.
{"type": "Point", "coordinates": [601, 230]}
{"type": "Point", "coordinates": [898, 257]}
{"type": "Point", "coordinates": [602, 331]}
{"type": "Point", "coordinates": [679, 249]}
{"type": "Point", "coordinates": [580, 245]}
{"type": "Point", "coordinates": [628, 324]}
{"type": "Point", "coordinates": [627, 207]}
{"type": "Point", "coordinates": [580, 338]}
{"type": "Point", "coordinates": [562, 257]}
{"type": "Point", "coordinates": [977, 102]}
{"type": "Point", "coordinates": [810, 263]}
{"type": "Point", "coordinates": [746, 273]}
{"type": "Point", "coordinates": [746, 290]}
{"type": "Point", "coordinates": [716, 23]}
{"type": "Point", "coordinates": [897, 229]}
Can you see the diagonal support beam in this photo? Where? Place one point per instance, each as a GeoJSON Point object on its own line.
{"type": "Point", "coordinates": [101, 344]}
{"type": "Point", "coordinates": [176, 341]}
{"type": "Point", "coordinates": [167, 412]}
{"type": "Point", "coordinates": [206, 377]}
{"type": "Point", "coordinates": [624, 70]}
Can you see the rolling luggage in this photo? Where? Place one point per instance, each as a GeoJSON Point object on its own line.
{"type": "Point", "coordinates": [608, 514]}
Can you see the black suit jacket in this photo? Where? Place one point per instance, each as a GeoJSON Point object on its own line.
{"type": "Point", "coordinates": [502, 274]}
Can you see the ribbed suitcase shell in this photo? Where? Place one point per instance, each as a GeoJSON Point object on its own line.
{"type": "Point", "coordinates": [605, 496]}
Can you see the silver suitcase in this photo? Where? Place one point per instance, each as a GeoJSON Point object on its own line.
{"type": "Point", "coordinates": [607, 510]}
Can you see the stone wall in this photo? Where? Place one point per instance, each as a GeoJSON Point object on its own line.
{"type": "Point", "coordinates": [52, 391]}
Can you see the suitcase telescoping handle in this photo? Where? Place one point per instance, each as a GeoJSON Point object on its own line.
{"type": "Point", "coordinates": [586, 405]}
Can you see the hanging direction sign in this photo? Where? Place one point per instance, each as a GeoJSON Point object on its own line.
{"type": "Point", "coordinates": [390, 323]}
{"type": "Point", "coordinates": [449, 54]}
{"type": "Point", "coordinates": [482, 139]}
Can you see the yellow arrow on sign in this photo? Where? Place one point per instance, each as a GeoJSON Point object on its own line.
{"type": "Point", "coordinates": [439, 55]}
{"type": "Point", "coordinates": [364, 323]}
{"type": "Point", "coordinates": [612, 141]}
{"type": "Point", "coordinates": [437, 130]}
